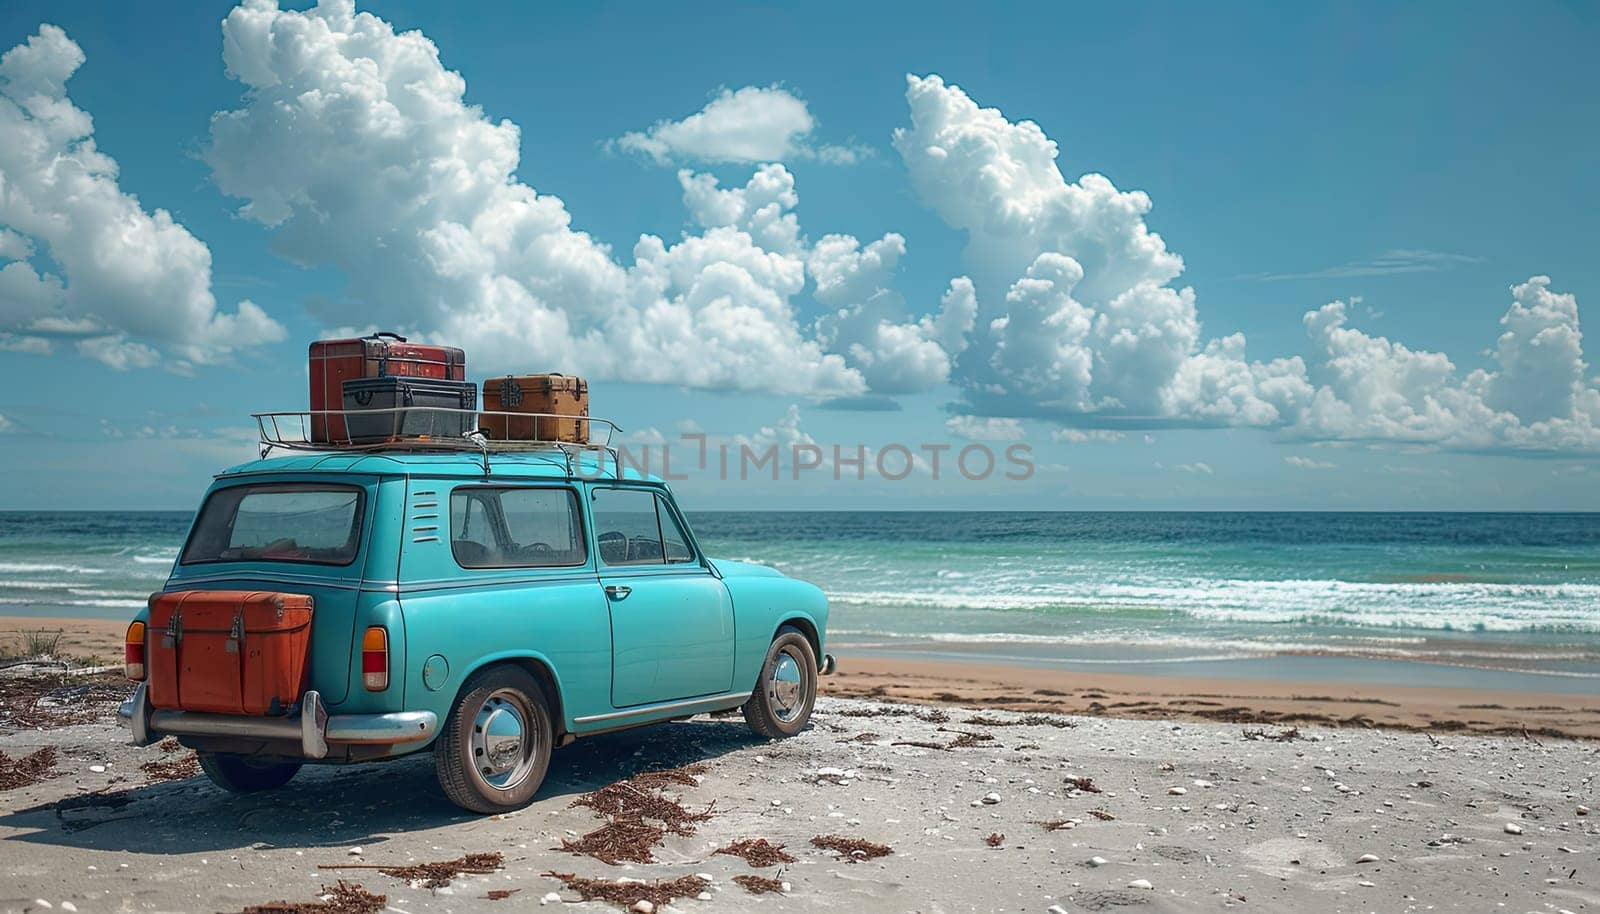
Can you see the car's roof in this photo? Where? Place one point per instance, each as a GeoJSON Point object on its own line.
{"type": "Point", "coordinates": [550, 464]}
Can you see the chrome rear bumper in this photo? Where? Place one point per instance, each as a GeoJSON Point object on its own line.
{"type": "Point", "coordinates": [828, 665]}
{"type": "Point", "coordinates": [312, 728]}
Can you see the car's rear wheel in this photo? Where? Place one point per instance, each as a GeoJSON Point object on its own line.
{"type": "Point", "coordinates": [241, 774]}
{"type": "Point", "coordinates": [787, 690]}
{"type": "Point", "coordinates": [495, 747]}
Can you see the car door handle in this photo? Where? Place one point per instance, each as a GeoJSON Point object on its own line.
{"type": "Point", "coordinates": [618, 591]}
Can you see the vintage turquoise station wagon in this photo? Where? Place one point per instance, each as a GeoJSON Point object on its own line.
{"type": "Point", "coordinates": [486, 607]}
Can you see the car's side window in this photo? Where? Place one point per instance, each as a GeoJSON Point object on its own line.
{"type": "Point", "coordinates": [627, 530]}
{"type": "Point", "coordinates": [673, 539]}
{"type": "Point", "coordinates": [516, 527]}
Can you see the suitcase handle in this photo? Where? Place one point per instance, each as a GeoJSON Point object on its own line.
{"type": "Point", "coordinates": [384, 333]}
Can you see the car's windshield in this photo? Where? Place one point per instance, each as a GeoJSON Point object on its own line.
{"type": "Point", "coordinates": [315, 524]}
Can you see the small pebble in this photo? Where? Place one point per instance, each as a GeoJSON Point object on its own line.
{"type": "Point", "coordinates": [1583, 810]}
{"type": "Point", "coordinates": [550, 898]}
{"type": "Point", "coordinates": [68, 906]}
{"type": "Point", "coordinates": [1367, 858]}
{"type": "Point", "coordinates": [1365, 884]}
{"type": "Point", "coordinates": [1177, 791]}
{"type": "Point", "coordinates": [991, 799]}
{"type": "Point", "coordinates": [1098, 861]}
{"type": "Point", "coordinates": [1513, 828]}
{"type": "Point", "coordinates": [354, 851]}
{"type": "Point", "coordinates": [1140, 884]}
{"type": "Point", "coordinates": [1055, 909]}
{"type": "Point", "coordinates": [97, 769]}
{"type": "Point", "coordinates": [644, 906]}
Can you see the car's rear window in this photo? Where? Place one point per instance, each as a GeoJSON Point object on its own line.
{"type": "Point", "coordinates": [307, 524]}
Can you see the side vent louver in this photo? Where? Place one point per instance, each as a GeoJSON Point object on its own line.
{"type": "Point", "coordinates": [425, 518]}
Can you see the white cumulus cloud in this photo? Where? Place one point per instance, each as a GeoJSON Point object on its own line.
{"type": "Point", "coordinates": [1307, 463]}
{"type": "Point", "coordinates": [750, 125]}
{"type": "Point", "coordinates": [985, 428]}
{"type": "Point", "coordinates": [359, 147]}
{"type": "Point", "coordinates": [1086, 435]}
{"type": "Point", "coordinates": [131, 280]}
{"type": "Point", "coordinates": [1079, 315]}
{"type": "Point", "coordinates": [1084, 317]}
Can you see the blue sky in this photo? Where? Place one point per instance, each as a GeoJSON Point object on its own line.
{"type": "Point", "coordinates": [1414, 164]}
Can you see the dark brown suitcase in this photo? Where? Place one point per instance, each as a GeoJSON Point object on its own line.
{"type": "Point", "coordinates": [334, 362]}
{"type": "Point", "coordinates": [558, 395]}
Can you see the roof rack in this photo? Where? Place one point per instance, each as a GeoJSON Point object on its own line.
{"type": "Point", "coordinates": [414, 432]}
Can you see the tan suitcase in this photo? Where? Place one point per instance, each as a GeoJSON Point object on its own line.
{"type": "Point", "coordinates": [557, 395]}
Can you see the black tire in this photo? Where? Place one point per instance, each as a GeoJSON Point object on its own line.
{"type": "Point", "coordinates": [480, 765]}
{"type": "Point", "coordinates": [240, 774]}
{"type": "Point", "coordinates": [770, 712]}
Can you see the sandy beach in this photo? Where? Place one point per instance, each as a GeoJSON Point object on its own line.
{"type": "Point", "coordinates": [983, 811]}
{"type": "Point", "coordinates": [993, 789]}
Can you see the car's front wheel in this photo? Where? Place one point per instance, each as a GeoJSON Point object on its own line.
{"type": "Point", "coordinates": [781, 704]}
{"type": "Point", "coordinates": [495, 747]}
{"type": "Point", "coordinates": [239, 774]}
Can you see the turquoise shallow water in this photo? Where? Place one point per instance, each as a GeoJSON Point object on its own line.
{"type": "Point", "coordinates": [1487, 592]}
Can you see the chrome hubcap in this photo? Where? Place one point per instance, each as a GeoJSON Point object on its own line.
{"type": "Point", "coordinates": [504, 741]}
{"type": "Point", "coordinates": [786, 688]}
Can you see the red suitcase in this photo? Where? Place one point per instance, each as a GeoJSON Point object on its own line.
{"type": "Point", "coordinates": [335, 361]}
{"type": "Point", "coordinates": [229, 651]}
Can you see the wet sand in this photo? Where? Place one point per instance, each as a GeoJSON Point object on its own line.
{"type": "Point", "coordinates": [1243, 701]}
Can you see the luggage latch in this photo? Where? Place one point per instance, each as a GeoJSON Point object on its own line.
{"type": "Point", "coordinates": [174, 632]}
{"type": "Point", "coordinates": [236, 634]}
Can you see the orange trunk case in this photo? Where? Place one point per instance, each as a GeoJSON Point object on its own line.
{"type": "Point", "coordinates": [228, 651]}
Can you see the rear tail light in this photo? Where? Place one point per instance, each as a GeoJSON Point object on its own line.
{"type": "Point", "coordinates": [375, 659]}
{"type": "Point", "coordinates": [133, 652]}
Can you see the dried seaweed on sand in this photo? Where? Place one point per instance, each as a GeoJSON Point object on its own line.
{"type": "Point", "coordinates": [1282, 736]}
{"type": "Point", "coordinates": [1028, 720]}
{"type": "Point", "coordinates": [852, 848]}
{"type": "Point", "coordinates": [627, 894]}
{"type": "Point", "coordinates": [29, 769]}
{"type": "Point", "coordinates": [60, 699]}
{"type": "Point", "coordinates": [626, 801]}
{"type": "Point", "coordinates": [172, 769]}
{"type": "Point", "coordinates": [684, 775]}
{"type": "Point", "coordinates": [1085, 784]}
{"type": "Point", "coordinates": [995, 839]}
{"type": "Point", "coordinates": [430, 875]}
{"type": "Point", "coordinates": [758, 885]}
{"type": "Point", "coordinates": [618, 840]}
{"type": "Point", "coordinates": [757, 852]}
{"type": "Point", "coordinates": [342, 898]}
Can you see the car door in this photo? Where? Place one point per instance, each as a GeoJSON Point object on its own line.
{"type": "Point", "coordinates": [671, 618]}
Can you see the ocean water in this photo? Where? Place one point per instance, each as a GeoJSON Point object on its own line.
{"type": "Point", "coordinates": [1483, 595]}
